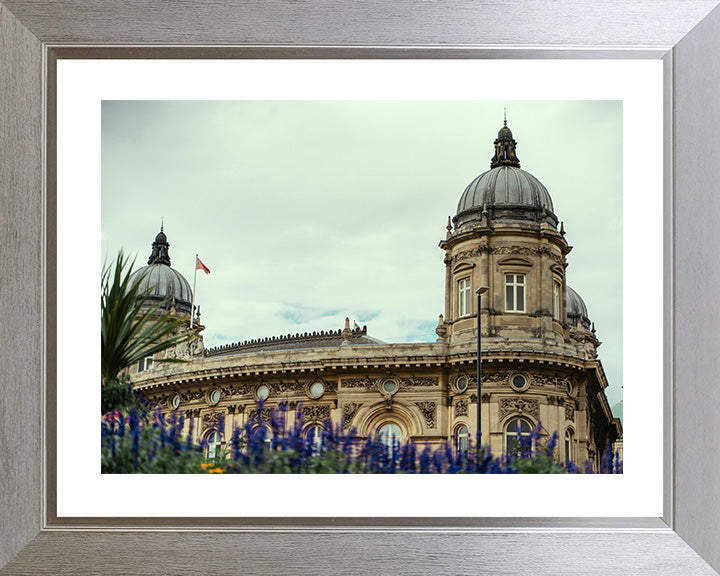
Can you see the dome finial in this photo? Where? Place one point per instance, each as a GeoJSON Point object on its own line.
{"type": "Point", "coordinates": [160, 248]}
{"type": "Point", "coordinates": [505, 147]}
{"type": "Point", "coordinates": [162, 224]}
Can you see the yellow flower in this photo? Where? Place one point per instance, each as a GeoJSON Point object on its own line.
{"type": "Point", "coordinates": [206, 465]}
{"type": "Point", "coordinates": [216, 471]}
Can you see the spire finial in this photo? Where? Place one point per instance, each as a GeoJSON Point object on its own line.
{"type": "Point", "coordinates": [505, 145]}
{"type": "Point", "coordinates": [162, 224]}
{"type": "Point", "coordinates": [159, 254]}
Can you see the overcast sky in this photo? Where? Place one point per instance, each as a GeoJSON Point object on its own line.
{"type": "Point", "coordinates": [310, 211]}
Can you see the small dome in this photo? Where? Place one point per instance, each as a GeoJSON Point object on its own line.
{"type": "Point", "coordinates": [505, 134]}
{"type": "Point", "coordinates": [577, 314]}
{"type": "Point", "coordinates": [161, 283]}
{"type": "Point", "coordinates": [505, 193]}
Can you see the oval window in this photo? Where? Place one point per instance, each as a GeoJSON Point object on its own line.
{"type": "Point", "coordinates": [176, 402]}
{"type": "Point", "coordinates": [461, 384]}
{"type": "Point", "coordinates": [263, 392]}
{"type": "Point", "coordinates": [390, 386]}
{"type": "Point", "coordinates": [215, 396]}
{"type": "Point", "coordinates": [519, 382]}
{"type": "Point", "coordinates": [316, 390]}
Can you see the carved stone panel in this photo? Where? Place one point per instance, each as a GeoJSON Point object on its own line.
{"type": "Point", "coordinates": [349, 411]}
{"type": "Point", "coordinates": [420, 381]}
{"type": "Point", "coordinates": [520, 405]}
{"type": "Point", "coordinates": [234, 390]}
{"type": "Point", "coordinates": [428, 412]}
{"type": "Point", "coordinates": [210, 420]}
{"type": "Point", "coordinates": [366, 383]}
{"type": "Point", "coordinates": [461, 408]}
{"type": "Point", "coordinates": [316, 413]}
{"type": "Point", "coordinates": [192, 395]}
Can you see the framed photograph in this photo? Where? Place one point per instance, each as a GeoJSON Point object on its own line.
{"type": "Point", "coordinates": [75, 71]}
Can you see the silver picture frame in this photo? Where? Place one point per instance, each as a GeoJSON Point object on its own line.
{"type": "Point", "coordinates": [685, 34]}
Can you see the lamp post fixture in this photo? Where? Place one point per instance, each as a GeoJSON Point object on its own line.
{"type": "Point", "coordinates": [480, 291]}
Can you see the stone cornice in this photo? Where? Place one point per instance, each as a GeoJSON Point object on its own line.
{"type": "Point", "coordinates": [396, 357]}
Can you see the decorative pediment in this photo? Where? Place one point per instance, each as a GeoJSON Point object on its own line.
{"type": "Point", "coordinates": [515, 261]}
{"type": "Point", "coordinates": [463, 266]}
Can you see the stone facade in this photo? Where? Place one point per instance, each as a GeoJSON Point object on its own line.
{"type": "Point", "coordinates": [537, 364]}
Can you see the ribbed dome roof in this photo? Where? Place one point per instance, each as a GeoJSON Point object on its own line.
{"type": "Point", "coordinates": [505, 186]}
{"type": "Point", "coordinates": [161, 282]}
{"type": "Point", "coordinates": [577, 313]}
{"type": "Point", "coordinates": [505, 192]}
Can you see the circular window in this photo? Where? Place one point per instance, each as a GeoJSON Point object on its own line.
{"type": "Point", "coordinates": [519, 382]}
{"type": "Point", "coordinates": [390, 386]}
{"type": "Point", "coordinates": [263, 392]}
{"type": "Point", "coordinates": [461, 384]}
{"type": "Point", "coordinates": [316, 390]}
{"type": "Point", "coordinates": [215, 396]}
{"type": "Point", "coordinates": [176, 402]}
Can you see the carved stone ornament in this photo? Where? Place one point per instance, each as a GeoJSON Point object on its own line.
{"type": "Point", "coordinates": [210, 420]}
{"type": "Point", "coordinates": [520, 405]}
{"type": "Point", "coordinates": [316, 413]}
{"type": "Point", "coordinates": [349, 411]}
{"type": "Point", "coordinates": [549, 381]}
{"type": "Point", "coordinates": [366, 383]}
{"type": "Point", "coordinates": [525, 251]}
{"type": "Point", "coordinates": [428, 412]}
{"type": "Point", "coordinates": [422, 381]}
{"type": "Point", "coordinates": [569, 412]}
{"type": "Point", "coordinates": [235, 390]}
{"type": "Point", "coordinates": [264, 415]}
{"type": "Point", "coordinates": [461, 408]}
{"type": "Point", "coordinates": [468, 254]}
{"type": "Point", "coordinates": [192, 395]}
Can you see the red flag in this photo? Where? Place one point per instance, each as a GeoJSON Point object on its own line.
{"type": "Point", "coordinates": [200, 266]}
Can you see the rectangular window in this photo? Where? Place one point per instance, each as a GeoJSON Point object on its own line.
{"type": "Point", "coordinates": [514, 293]}
{"type": "Point", "coordinates": [145, 364]}
{"type": "Point", "coordinates": [464, 296]}
{"type": "Point", "coordinates": [556, 300]}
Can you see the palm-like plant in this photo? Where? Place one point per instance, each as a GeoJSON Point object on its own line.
{"type": "Point", "coordinates": [132, 330]}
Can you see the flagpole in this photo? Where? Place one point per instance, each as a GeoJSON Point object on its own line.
{"type": "Point", "coordinates": [192, 304]}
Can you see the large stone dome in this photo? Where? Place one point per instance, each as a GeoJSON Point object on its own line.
{"type": "Point", "coordinates": [505, 192]}
{"type": "Point", "coordinates": [162, 284]}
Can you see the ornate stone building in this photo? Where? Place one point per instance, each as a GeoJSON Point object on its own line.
{"type": "Point", "coordinates": [539, 349]}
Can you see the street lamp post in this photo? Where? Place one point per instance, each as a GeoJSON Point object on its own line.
{"type": "Point", "coordinates": [480, 291]}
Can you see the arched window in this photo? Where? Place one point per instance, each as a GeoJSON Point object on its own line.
{"type": "Point", "coordinates": [214, 443]}
{"type": "Point", "coordinates": [314, 437]}
{"type": "Point", "coordinates": [462, 436]}
{"type": "Point", "coordinates": [569, 441]}
{"type": "Point", "coordinates": [390, 436]}
{"type": "Point", "coordinates": [517, 434]}
{"type": "Point", "coordinates": [262, 434]}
